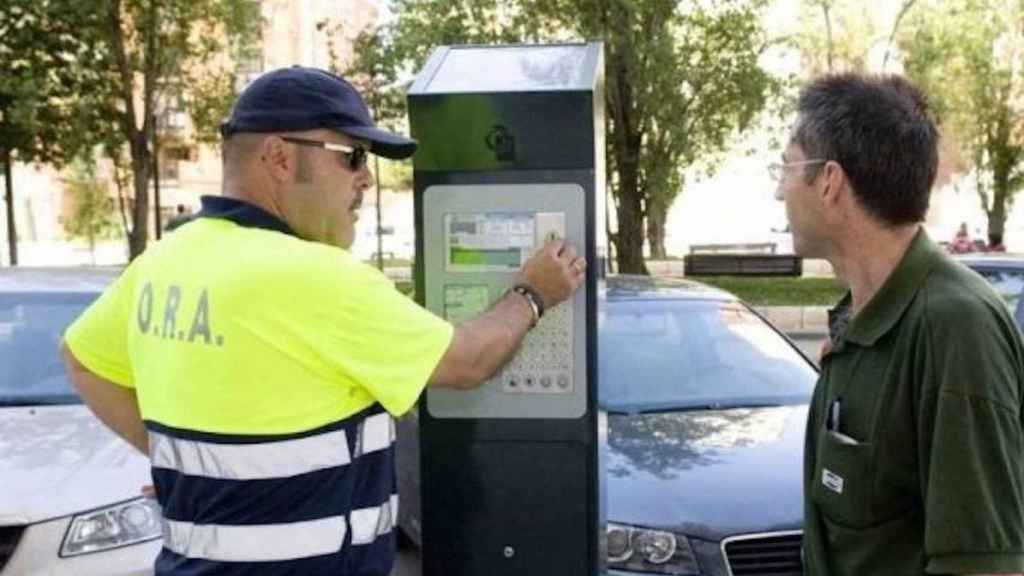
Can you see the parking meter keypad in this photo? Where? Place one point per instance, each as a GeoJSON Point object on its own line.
{"type": "Point", "coordinates": [544, 363]}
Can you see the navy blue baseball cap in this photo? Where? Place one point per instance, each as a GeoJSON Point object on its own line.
{"type": "Point", "coordinates": [298, 98]}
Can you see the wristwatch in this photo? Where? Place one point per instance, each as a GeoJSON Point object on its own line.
{"type": "Point", "coordinates": [532, 298]}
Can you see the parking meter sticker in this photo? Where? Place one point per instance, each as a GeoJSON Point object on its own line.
{"type": "Point", "coordinates": [832, 481]}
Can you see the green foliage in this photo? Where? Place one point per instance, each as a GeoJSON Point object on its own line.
{"type": "Point", "coordinates": [836, 35]}
{"type": "Point", "coordinates": [395, 175]}
{"type": "Point", "coordinates": [967, 54]}
{"type": "Point", "coordinates": [191, 46]}
{"type": "Point", "coordinates": [373, 72]}
{"type": "Point", "coordinates": [164, 52]}
{"type": "Point", "coordinates": [93, 214]}
{"type": "Point", "coordinates": [52, 59]}
{"type": "Point", "coordinates": [681, 80]}
{"type": "Point", "coordinates": [847, 35]}
{"type": "Point", "coordinates": [209, 100]}
{"type": "Point", "coordinates": [87, 72]}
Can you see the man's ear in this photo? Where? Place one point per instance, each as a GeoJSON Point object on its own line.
{"type": "Point", "coordinates": [835, 186]}
{"type": "Point", "coordinates": [278, 159]}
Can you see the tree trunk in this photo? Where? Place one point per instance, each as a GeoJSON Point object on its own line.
{"type": "Point", "coordinates": [830, 48]}
{"type": "Point", "coordinates": [1004, 160]}
{"type": "Point", "coordinates": [137, 139]}
{"type": "Point", "coordinates": [997, 215]}
{"type": "Point", "coordinates": [157, 217]}
{"type": "Point", "coordinates": [656, 230]}
{"type": "Point", "coordinates": [996, 225]}
{"type": "Point", "coordinates": [12, 234]}
{"type": "Point", "coordinates": [629, 240]}
{"type": "Point", "coordinates": [139, 234]}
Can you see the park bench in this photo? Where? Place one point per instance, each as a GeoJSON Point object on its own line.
{"type": "Point", "coordinates": [754, 259]}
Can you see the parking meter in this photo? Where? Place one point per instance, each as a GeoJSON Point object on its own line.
{"type": "Point", "coordinates": [511, 153]}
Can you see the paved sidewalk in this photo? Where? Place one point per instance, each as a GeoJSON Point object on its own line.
{"type": "Point", "coordinates": [797, 320]}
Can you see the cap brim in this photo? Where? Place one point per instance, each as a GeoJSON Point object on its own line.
{"type": "Point", "coordinates": [382, 142]}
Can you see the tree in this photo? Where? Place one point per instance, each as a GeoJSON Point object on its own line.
{"type": "Point", "coordinates": [681, 79]}
{"type": "Point", "coordinates": [844, 35]}
{"type": "Point", "coordinates": [163, 50]}
{"type": "Point", "coordinates": [372, 72]}
{"type": "Point", "coordinates": [680, 82]}
{"type": "Point", "coordinates": [92, 216]}
{"type": "Point", "coordinates": [41, 118]}
{"type": "Point", "coordinates": [835, 35]}
{"type": "Point", "coordinates": [139, 54]}
{"type": "Point", "coordinates": [966, 55]}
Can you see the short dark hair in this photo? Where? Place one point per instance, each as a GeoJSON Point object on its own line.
{"type": "Point", "coordinates": [880, 130]}
{"type": "Point", "coordinates": [239, 146]}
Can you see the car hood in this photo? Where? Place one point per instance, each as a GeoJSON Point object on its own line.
{"type": "Point", "coordinates": [58, 460]}
{"type": "Point", "coordinates": [708, 474]}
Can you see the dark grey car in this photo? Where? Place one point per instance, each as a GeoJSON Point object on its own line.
{"type": "Point", "coordinates": [706, 407]}
{"type": "Point", "coordinates": [1006, 274]}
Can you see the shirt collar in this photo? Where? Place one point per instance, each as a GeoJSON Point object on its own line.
{"type": "Point", "coordinates": [886, 307]}
{"type": "Point", "coordinates": [242, 213]}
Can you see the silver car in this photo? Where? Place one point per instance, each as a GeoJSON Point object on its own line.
{"type": "Point", "coordinates": [70, 491]}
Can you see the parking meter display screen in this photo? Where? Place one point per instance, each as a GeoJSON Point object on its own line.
{"type": "Point", "coordinates": [488, 242]}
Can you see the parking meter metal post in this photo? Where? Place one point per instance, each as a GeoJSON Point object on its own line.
{"type": "Point", "coordinates": [511, 152]}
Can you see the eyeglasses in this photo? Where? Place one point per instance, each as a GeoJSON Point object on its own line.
{"type": "Point", "coordinates": [355, 156]}
{"type": "Point", "coordinates": [776, 169]}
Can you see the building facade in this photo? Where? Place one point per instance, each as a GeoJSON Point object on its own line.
{"type": "Point", "coordinates": [317, 33]}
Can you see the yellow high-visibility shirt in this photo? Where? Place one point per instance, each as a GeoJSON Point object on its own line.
{"type": "Point", "coordinates": [232, 327]}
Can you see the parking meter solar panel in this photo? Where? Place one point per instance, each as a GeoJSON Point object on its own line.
{"type": "Point", "coordinates": [510, 69]}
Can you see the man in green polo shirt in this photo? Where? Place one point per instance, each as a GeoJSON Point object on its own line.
{"type": "Point", "coordinates": [913, 460]}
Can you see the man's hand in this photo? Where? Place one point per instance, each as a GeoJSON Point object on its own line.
{"type": "Point", "coordinates": [555, 272]}
{"type": "Point", "coordinates": [484, 344]}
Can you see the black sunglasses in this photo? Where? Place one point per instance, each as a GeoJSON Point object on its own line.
{"type": "Point", "coordinates": [356, 156]}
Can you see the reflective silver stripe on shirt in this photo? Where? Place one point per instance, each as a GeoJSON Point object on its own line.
{"type": "Point", "coordinates": [255, 543]}
{"type": "Point", "coordinates": [369, 523]}
{"type": "Point", "coordinates": [376, 433]}
{"type": "Point", "coordinates": [264, 460]}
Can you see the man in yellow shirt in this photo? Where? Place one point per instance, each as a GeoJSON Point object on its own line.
{"type": "Point", "coordinates": [259, 364]}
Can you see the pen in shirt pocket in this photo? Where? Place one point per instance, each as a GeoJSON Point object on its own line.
{"type": "Point", "coordinates": [833, 416]}
{"type": "Point", "coordinates": [834, 422]}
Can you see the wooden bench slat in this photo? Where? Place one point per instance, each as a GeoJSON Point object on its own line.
{"type": "Point", "coordinates": [742, 265]}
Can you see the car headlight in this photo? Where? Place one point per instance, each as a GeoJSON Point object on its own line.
{"type": "Point", "coordinates": [643, 550]}
{"type": "Point", "coordinates": [112, 527]}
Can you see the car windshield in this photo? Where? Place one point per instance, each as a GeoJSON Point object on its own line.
{"type": "Point", "coordinates": [663, 355]}
{"type": "Point", "coordinates": [31, 326]}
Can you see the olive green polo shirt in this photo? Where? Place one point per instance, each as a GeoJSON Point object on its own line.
{"type": "Point", "coordinates": [913, 460]}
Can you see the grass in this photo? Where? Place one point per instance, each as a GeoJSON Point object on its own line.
{"type": "Point", "coordinates": [780, 291]}
{"type": "Point", "coordinates": [759, 291]}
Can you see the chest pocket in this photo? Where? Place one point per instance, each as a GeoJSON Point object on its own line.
{"type": "Point", "coordinates": [843, 475]}
{"type": "Point", "coordinates": [852, 488]}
